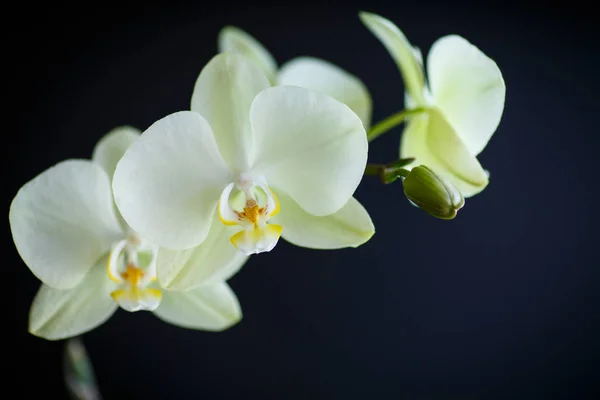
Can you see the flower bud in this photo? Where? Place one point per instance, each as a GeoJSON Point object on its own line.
{"type": "Point", "coordinates": [432, 194]}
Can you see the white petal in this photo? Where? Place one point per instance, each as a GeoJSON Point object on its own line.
{"type": "Point", "coordinates": [112, 146]}
{"type": "Point", "coordinates": [309, 145]}
{"type": "Point", "coordinates": [63, 221]}
{"type": "Point", "coordinates": [468, 88]}
{"type": "Point", "coordinates": [168, 183]}
{"type": "Point", "coordinates": [235, 40]}
{"type": "Point", "coordinates": [257, 239]}
{"type": "Point", "coordinates": [433, 142]}
{"type": "Point", "coordinates": [211, 308]}
{"type": "Point", "coordinates": [223, 94]}
{"type": "Point", "coordinates": [150, 298]}
{"type": "Point", "coordinates": [323, 76]}
{"type": "Point", "coordinates": [212, 261]}
{"type": "Point", "coordinates": [405, 56]}
{"type": "Point", "coordinates": [58, 314]}
{"type": "Point", "coordinates": [226, 214]}
{"type": "Point", "coordinates": [110, 149]}
{"type": "Point", "coordinates": [147, 299]}
{"type": "Point", "coordinates": [351, 226]}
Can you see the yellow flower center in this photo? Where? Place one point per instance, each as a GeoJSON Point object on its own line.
{"type": "Point", "coordinates": [250, 205]}
{"type": "Point", "coordinates": [132, 274]}
{"type": "Point", "coordinates": [251, 212]}
{"type": "Point", "coordinates": [124, 269]}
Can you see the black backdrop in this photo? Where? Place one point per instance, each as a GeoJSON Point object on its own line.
{"type": "Point", "coordinates": [500, 303]}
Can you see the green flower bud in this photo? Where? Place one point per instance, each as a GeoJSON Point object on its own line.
{"type": "Point", "coordinates": [432, 194]}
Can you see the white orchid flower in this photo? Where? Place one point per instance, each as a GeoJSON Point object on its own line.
{"type": "Point", "coordinates": [308, 72]}
{"type": "Point", "coordinates": [464, 99]}
{"type": "Point", "coordinates": [67, 230]}
{"type": "Point", "coordinates": [255, 160]}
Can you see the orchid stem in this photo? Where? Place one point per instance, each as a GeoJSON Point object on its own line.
{"type": "Point", "coordinates": [390, 122]}
{"type": "Point", "coordinates": [388, 173]}
{"type": "Point", "coordinates": [373, 169]}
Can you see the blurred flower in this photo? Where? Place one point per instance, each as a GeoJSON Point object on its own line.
{"type": "Point", "coordinates": [308, 72]}
{"type": "Point", "coordinates": [66, 229]}
{"type": "Point", "coordinates": [464, 98]}
{"type": "Point", "coordinates": [432, 193]}
{"type": "Point", "coordinates": [267, 161]}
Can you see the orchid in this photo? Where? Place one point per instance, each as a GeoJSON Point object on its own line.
{"type": "Point", "coordinates": [264, 161]}
{"type": "Point", "coordinates": [460, 105]}
{"type": "Point", "coordinates": [67, 230]}
{"type": "Point", "coordinates": [308, 72]}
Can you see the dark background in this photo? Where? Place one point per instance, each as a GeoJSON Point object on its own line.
{"type": "Point", "coordinates": [500, 303]}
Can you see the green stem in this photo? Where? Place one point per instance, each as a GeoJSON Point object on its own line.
{"type": "Point", "coordinates": [402, 172]}
{"type": "Point", "coordinates": [390, 122]}
{"type": "Point", "coordinates": [388, 173]}
{"type": "Point", "coordinates": [374, 169]}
